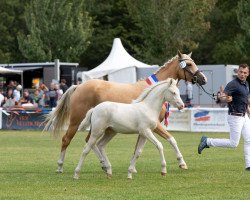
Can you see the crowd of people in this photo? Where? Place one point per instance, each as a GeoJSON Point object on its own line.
{"type": "Point", "coordinates": [40, 97]}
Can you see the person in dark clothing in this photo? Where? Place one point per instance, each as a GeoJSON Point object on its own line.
{"type": "Point", "coordinates": [236, 94]}
{"type": "Point", "coordinates": [63, 85]}
{"type": "Point", "coordinates": [26, 97]}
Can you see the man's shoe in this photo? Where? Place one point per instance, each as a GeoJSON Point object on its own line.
{"type": "Point", "coordinates": [203, 144]}
{"type": "Point", "coordinates": [248, 169]}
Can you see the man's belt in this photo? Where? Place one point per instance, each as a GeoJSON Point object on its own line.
{"type": "Point", "coordinates": [237, 114]}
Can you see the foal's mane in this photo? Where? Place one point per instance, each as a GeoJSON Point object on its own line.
{"type": "Point", "coordinates": [146, 91]}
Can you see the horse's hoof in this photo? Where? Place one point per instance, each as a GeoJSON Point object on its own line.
{"type": "Point", "coordinates": [130, 177]}
{"type": "Point", "coordinates": [76, 177]}
{"type": "Point", "coordinates": [163, 173]}
{"type": "Point", "coordinates": [59, 171]}
{"type": "Point", "coordinates": [183, 166]}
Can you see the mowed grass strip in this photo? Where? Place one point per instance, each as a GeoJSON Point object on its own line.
{"type": "Point", "coordinates": [28, 165]}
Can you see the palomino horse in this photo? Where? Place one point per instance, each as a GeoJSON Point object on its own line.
{"type": "Point", "coordinates": [77, 100]}
{"type": "Point", "coordinates": [140, 116]}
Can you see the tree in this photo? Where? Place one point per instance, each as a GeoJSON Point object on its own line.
{"type": "Point", "coordinates": [57, 29]}
{"type": "Point", "coordinates": [110, 20]}
{"type": "Point", "coordinates": [170, 25]}
{"type": "Point", "coordinates": [220, 44]}
{"type": "Point", "coordinates": [12, 21]}
{"type": "Point", "coordinates": [243, 16]}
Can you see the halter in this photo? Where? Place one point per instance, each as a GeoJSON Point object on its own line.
{"type": "Point", "coordinates": [184, 66]}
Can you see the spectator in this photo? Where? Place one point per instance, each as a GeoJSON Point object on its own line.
{"type": "Point", "coordinates": [58, 91]}
{"type": "Point", "coordinates": [52, 96]}
{"type": "Point", "coordinates": [38, 97]}
{"type": "Point", "coordinates": [79, 81]}
{"type": "Point", "coordinates": [11, 85]}
{"type": "Point", "coordinates": [17, 93]}
{"type": "Point", "coordinates": [26, 97]}
{"type": "Point", "coordinates": [1, 97]}
{"type": "Point", "coordinates": [44, 93]}
{"type": "Point", "coordinates": [9, 100]}
{"type": "Point", "coordinates": [189, 94]}
{"type": "Point", "coordinates": [63, 85]}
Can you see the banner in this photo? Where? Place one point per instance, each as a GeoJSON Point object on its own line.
{"type": "Point", "coordinates": [179, 120]}
{"type": "Point", "coordinates": [209, 120]}
{"type": "Point", "coordinates": [23, 121]}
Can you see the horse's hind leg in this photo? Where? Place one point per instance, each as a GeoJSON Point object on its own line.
{"type": "Point", "coordinates": [166, 135]}
{"type": "Point", "coordinates": [108, 135]}
{"type": "Point", "coordinates": [139, 147]}
{"type": "Point", "coordinates": [66, 139]}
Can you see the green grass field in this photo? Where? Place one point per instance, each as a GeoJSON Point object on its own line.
{"type": "Point", "coordinates": [28, 164]}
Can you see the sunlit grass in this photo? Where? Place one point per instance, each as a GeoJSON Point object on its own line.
{"type": "Point", "coordinates": [28, 164]}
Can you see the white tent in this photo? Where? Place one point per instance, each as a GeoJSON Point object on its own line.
{"type": "Point", "coordinates": [9, 71]}
{"type": "Point", "coordinates": [12, 71]}
{"type": "Point", "coordinates": [119, 66]}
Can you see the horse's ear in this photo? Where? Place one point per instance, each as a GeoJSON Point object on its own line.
{"type": "Point", "coordinates": [173, 81]}
{"type": "Point", "coordinates": [190, 54]}
{"type": "Point", "coordinates": [179, 54]}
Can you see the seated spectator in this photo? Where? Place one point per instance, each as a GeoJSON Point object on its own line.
{"type": "Point", "coordinates": [26, 97]}
{"type": "Point", "coordinates": [38, 97]}
{"type": "Point", "coordinates": [9, 100]}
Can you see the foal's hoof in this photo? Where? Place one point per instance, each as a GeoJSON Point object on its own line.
{"type": "Point", "coordinates": [59, 171]}
{"type": "Point", "coordinates": [163, 173]}
{"type": "Point", "coordinates": [130, 176]}
{"type": "Point", "coordinates": [76, 177]}
{"type": "Point", "coordinates": [183, 166]}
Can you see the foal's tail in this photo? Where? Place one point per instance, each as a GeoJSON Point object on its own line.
{"type": "Point", "coordinates": [57, 118]}
{"type": "Point", "coordinates": [86, 121]}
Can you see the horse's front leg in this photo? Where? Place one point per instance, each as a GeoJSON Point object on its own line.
{"type": "Point", "coordinates": [90, 144]}
{"type": "Point", "coordinates": [138, 150]}
{"type": "Point", "coordinates": [150, 136]}
{"type": "Point", "coordinates": [166, 135]}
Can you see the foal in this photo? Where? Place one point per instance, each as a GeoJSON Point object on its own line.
{"type": "Point", "coordinates": [140, 116]}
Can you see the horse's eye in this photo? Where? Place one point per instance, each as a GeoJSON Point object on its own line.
{"type": "Point", "coordinates": [189, 65]}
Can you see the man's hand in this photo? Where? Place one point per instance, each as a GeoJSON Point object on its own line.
{"type": "Point", "coordinates": [229, 99]}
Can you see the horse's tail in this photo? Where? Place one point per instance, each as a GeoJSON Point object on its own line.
{"type": "Point", "coordinates": [57, 118]}
{"type": "Point", "coordinates": [86, 121]}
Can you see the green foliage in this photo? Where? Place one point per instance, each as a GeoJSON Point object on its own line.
{"type": "Point", "coordinates": [28, 164]}
{"type": "Point", "coordinates": [110, 20]}
{"type": "Point", "coordinates": [243, 14]}
{"type": "Point", "coordinates": [11, 15]}
{"type": "Point", "coordinates": [170, 25]}
{"type": "Point", "coordinates": [56, 30]}
{"type": "Point", "coordinates": [221, 45]}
